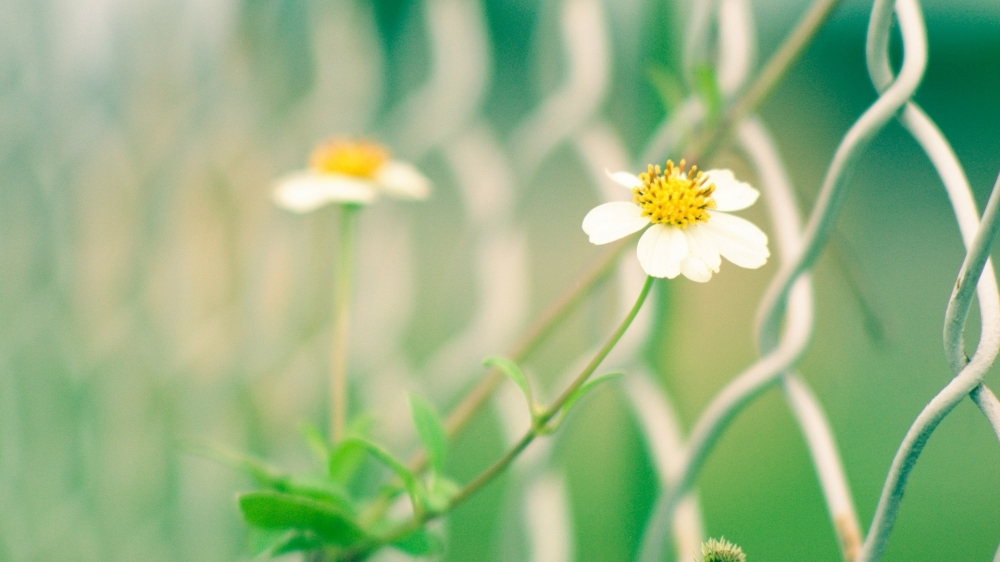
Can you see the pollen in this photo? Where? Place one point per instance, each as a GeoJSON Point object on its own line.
{"type": "Point", "coordinates": [353, 158]}
{"type": "Point", "coordinates": [674, 197]}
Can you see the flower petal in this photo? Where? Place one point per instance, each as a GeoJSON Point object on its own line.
{"type": "Point", "coordinates": [625, 179]}
{"type": "Point", "coordinates": [730, 193]}
{"type": "Point", "coordinates": [701, 244]}
{"type": "Point", "coordinates": [696, 270]}
{"type": "Point", "coordinates": [611, 221]}
{"type": "Point", "coordinates": [302, 192]}
{"type": "Point", "coordinates": [403, 180]}
{"type": "Point", "coordinates": [661, 251]}
{"type": "Point", "coordinates": [738, 240]}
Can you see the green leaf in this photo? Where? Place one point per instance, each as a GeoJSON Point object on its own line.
{"type": "Point", "coordinates": [318, 488]}
{"type": "Point", "coordinates": [431, 430]}
{"type": "Point", "coordinates": [708, 88]}
{"type": "Point", "coordinates": [297, 542]}
{"type": "Point", "coordinates": [515, 374]}
{"type": "Point", "coordinates": [322, 489]}
{"type": "Point", "coordinates": [667, 85]}
{"type": "Point", "coordinates": [277, 510]}
{"type": "Point", "coordinates": [262, 473]}
{"type": "Point", "coordinates": [577, 395]}
{"type": "Point", "coordinates": [421, 543]}
{"type": "Point", "coordinates": [265, 540]}
{"type": "Point", "coordinates": [317, 443]}
{"type": "Point", "coordinates": [587, 387]}
{"type": "Point", "coordinates": [417, 495]}
{"type": "Point", "coordinates": [345, 459]}
{"type": "Point", "coordinates": [440, 492]}
{"type": "Point", "coordinates": [271, 542]}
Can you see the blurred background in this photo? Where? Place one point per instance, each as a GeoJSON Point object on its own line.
{"type": "Point", "coordinates": [150, 293]}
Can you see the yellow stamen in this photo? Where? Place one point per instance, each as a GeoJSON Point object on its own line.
{"type": "Point", "coordinates": [673, 197]}
{"type": "Point", "coordinates": [361, 159]}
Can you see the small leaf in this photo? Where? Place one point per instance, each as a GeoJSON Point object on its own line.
{"type": "Point", "coordinates": [322, 489]}
{"type": "Point", "coordinates": [317, 443]}
{"type": "Point", "coordinates": [277, 510]}
{"type": "Point", "coordinates": [297, 542]}
{"type": "Point", "coordinates": [515, 374]}
{"type": "Point", "coordinates": [271, 542]}
{"type": "Point", "coordinates": [577, 395]}
{"type": "Point", "coordinates": [440, 492]}
{"type": "Point", "coordinates": [262, 473]}
{"type": "Point", "coordinates": [421, 543]}
{"type": "Point", "coordinates": [268, 477]}
{"type": "Point", "coordinates": [344, 461]}
{"type": "Point", "coordinates": [667, 86]}
{"type": "Point", "coordinates": [417, 495]}
{"type": "Point", "coordinates": [431, 430]}
{"type": "Point", "coordinates": [708, 88]}
{"type": "Point", "coordinates": [265, 540]}
{"type": "Point", "coordinates": [361, 424]}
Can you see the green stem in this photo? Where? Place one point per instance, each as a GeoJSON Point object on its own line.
{"type": "Point", "coordinates": [542, 420]}
{"type": "Point", "coordinates": [341, 322]}
{"type": "Point", "coordinates": [538, 428]}
{"type": "Point", "coordinates": [538, 332]}
{"type": "Point", "coordinates": [472, 401]}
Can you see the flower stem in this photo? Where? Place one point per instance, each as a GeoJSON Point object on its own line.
{"type": "Point", "coordinates": [538, 428]}
{"type": "Point", "coordinates": [542, 419]}
{"type": "Point", "coordinates": [475, 397]}
{"type": "Point", "coordinates": [536, 334]}
{"type": "Point", "coordinates": [341, 321]}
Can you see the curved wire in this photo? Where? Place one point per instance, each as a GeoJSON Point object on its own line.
{"type": "Point", "coordinates": [968, 379]}
{"type": "Point", "coordinates": [563, 113]}
{"type": "Point", "coordinates": [724, 407]}
{"type": "Point", "coordinates": [779, 196]}
{"type": "Point", "coordinates": [976, 275]}
{"type": "Point", "coordinates": [454, 91]}
{"type": "Point", "coordinates": [833, 192]}
{"type": "Point", "coordinates": [665, 441]}
{"type": "Point", "coordinates": [791, 283]}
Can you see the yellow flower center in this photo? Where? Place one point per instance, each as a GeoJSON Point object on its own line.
{"type": "Point", "coordinates": [673, 197]}
{"type": "Point", "coordinates": [360, 159]}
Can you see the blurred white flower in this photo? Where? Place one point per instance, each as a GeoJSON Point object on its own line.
{"type": "Point", "coordinates": [342, 171]}
{"type": "Point", "coordinates": [689, 231]}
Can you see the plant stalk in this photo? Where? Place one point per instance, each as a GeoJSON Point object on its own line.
{"type": "Point", "coordinates": [538, 428]}
{"type": "Point", "coordinates": [342, 321]}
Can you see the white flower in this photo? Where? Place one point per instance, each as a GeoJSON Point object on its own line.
{"type": "Point", "coordinates": [343, 171]}
{"type": "Point", "coordinates": [689, 229]}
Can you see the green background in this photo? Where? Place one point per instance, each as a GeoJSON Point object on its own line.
{"type": "Point", "coordinates": [149, 293]}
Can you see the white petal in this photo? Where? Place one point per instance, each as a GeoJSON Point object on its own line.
{"type": "Point", "coordinates": [730, 193]}
{"type": "Point", "coordinates": [694, 269]}
{"type": "Point", "coordinates": [661, 251]}
{"type": "Point", "coordinates": [403, 180]}
{"type": "Point", "coordinates": [625, 179]}
{"type": "Point", "coordinates": [302, 192]}
{"type": "Point", "coordinates": [701, 244]}
{"type": "Point", "coordinates": [611, 221]}
{"type": "Point", "coordinates": [738, 240]}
